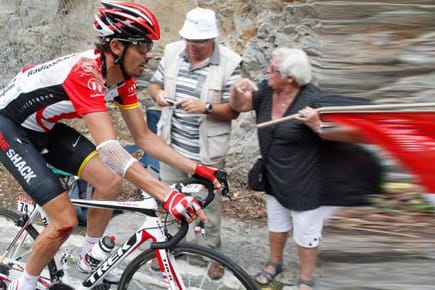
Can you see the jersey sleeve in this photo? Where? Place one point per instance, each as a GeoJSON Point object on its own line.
{"type": "Point", "coordinates": [127, 95]}
{"type": "Point", "coordinates": [85, 87]}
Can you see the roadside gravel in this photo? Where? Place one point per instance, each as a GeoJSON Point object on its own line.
{"type": "Point", "coordinates": [352, 256]}
{"type": "Point", "coordinates": [349, 259]}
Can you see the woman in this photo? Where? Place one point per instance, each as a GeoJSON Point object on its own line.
{"type": "Point", "coordinates": [293, 175]}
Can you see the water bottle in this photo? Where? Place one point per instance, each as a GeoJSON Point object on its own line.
{"type": "Point", "coordinates": [100, 251]}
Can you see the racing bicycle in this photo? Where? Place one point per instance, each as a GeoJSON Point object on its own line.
{"type": "Point", "coordinates": [182, 265]}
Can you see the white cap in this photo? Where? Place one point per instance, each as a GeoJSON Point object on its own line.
{"type": "Point", "coordinates": [200, 23]}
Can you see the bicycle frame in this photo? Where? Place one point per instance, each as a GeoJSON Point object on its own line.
{"type": "Point", "coordinates": [152, 228]}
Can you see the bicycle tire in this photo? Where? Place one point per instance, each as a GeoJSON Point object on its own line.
{"type": "Point", "coordinates": [190, 262]}
{"type": "Point", "coordinates": [14, 262]}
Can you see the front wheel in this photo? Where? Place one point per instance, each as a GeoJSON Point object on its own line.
{"type": "Point", "coordinates": [14, 254]}
{"type": "Point", "coordinates": [192, 263]}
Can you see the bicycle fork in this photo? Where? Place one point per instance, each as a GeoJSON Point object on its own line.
{"type": "Point", "coordinates": [171, 276]}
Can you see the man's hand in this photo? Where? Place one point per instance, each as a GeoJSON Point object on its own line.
{"type": "Point", "coordinates": [182, 206]}
{"type": "Point", "coordinates": [208, 173]}
{"type": "Point", "coordinates": [191, 105]}
{"type": "Point", "coordinates": [161, 98]}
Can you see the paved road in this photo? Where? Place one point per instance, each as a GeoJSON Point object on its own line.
{"type": "Point", "coordinates": [361, 261]}
{"type": "Point", "coordinates": [348, 260]}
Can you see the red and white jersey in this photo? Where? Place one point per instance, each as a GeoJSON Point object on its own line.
{"type": "Point", "coordinates": [64, 88]}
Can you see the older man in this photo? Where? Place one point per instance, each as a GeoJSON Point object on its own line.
{"type": "Point", "coordinates": [192, 84]}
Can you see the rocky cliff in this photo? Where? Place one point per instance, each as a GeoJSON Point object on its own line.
{"type": "Point", "coordinates": [380, 50]}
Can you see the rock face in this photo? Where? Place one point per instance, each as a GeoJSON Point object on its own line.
{"type": "Point", "coordinates": [380, 50]}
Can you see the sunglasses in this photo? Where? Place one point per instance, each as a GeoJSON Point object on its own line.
{"type": "Point", "coordinates": [197, 41]}
{"type": "Point", "coordinates": [143, 46]}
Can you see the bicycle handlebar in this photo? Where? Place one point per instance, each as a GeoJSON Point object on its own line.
{"type": "Point", "coordinates": [221, 175]}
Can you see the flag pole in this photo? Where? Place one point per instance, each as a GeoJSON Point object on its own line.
{"type": "Point", "coordinates": [365, 108]}
{"type": "Point", "coordinates": [373, 107]}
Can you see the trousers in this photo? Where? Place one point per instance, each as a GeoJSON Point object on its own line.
{"type": "Point", "coordinates": [170, 175]}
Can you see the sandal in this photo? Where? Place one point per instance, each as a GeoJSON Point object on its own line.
{"type": "Point", "coordinates": [264, 277]}
{"type": "Point", "coordinates": [309, 283]}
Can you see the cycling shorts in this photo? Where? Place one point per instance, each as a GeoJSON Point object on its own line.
{"type": "Point", "coordinates": [26, 154]}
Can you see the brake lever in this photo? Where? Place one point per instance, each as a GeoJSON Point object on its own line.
{"type": "Point", "coordinates": [201, 230]}
{"type": "Point", "coordinates": [222, 176]}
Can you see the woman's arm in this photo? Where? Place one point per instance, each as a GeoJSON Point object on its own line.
{"type": "Point", "coordinates": [241, 95]}
{"type": "Point", "coordinates": [329, 132]}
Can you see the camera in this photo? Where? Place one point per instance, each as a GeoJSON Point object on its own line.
{"type": "Point", "coordinates": [170, 101]}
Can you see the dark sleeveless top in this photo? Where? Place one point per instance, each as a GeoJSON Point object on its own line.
{"type": "Point", "coordinates": [293, 170]}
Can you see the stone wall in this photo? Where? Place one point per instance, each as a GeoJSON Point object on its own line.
{"type": "Point", "coordinates": [380, 50]}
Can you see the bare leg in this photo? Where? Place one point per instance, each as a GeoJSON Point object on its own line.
{"type": "Point", "coordinates": [277, 243]}
{"type": "Point", "coordinates": [107, 187]}
{"type": "Point", "coordinates": [63, 220]}
{"type": "Point", "coordinates": [307, 259]}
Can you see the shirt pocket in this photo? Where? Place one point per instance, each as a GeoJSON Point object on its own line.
{"type": "Point", "coordinates": [214, 92]}
{"type": "Point", "coordinates": [218, 140]}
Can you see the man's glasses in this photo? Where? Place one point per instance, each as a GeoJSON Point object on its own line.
{"type": "Point", "coordinates": [143, 46]}
{"type": "Point", "coordinates": [197, 41]}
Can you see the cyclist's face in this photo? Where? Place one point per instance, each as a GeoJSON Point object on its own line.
{"type": "Point", "coordinates": [135, 59]}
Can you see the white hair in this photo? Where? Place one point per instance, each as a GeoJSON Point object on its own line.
{"type": "Point", "coordinates": [294, 63]}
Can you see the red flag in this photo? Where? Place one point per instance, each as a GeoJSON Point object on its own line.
{"type": "Point", "coordinates": [408, 136]}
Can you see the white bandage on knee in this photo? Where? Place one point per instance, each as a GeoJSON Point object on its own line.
{"type": "Point", "coordinates": [115, 157]}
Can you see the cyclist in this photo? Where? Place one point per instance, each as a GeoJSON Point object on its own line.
{"type": "Point", "coordinates": [36, 102]}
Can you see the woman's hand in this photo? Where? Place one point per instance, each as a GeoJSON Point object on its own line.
{"type": "Point", "coordinates": [245, 86]}
{"type": "Point", "coordinates": [335, 132]}
{"type": "Point", "coordinates": [241, 95]}
{"type": "Point", "coordinates": [311, 118]}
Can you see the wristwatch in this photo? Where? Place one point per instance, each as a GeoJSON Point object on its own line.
{"type": "Point", "coordinates": [208, 108]}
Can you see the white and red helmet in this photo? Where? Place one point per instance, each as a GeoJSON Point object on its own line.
{"type": "Point", "coordinates": [126, 20]}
